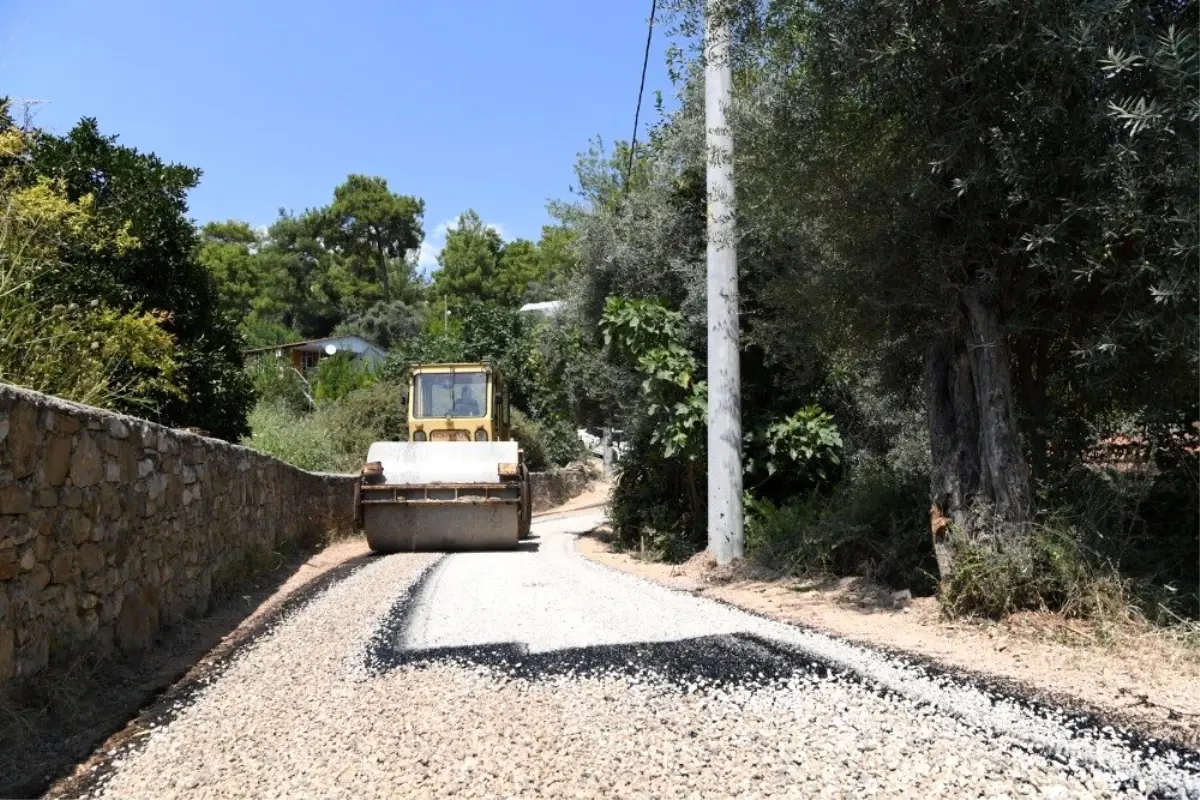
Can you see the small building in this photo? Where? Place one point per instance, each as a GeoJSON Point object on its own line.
{"type": "Point", "coordinates": [546, 309]}
{"type": "Point", "coordinates": [305, 356]}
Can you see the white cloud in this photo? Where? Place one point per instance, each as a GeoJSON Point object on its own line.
{"type": "Point", "coordinates": [435, 240]}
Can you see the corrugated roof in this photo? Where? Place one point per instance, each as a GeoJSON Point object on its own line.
{"type": "Point", "coordinates": [291, 345]}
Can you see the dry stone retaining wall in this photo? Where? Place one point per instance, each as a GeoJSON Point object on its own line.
{"type": "Point", "coordinates": [553, 488]}
{"type": "Point", "coordinates": [111, 527]}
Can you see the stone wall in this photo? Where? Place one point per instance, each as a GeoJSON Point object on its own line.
{"type": "Point", "coordinates": [111, 527]}
{"type": "Point", "coordinates": [550, 489]}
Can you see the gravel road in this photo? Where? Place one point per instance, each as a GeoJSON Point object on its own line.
{"type": "Point", "coordinates": [537, 673]}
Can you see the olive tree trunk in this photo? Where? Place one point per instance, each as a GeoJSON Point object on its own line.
{"type": "Point", "coordinates": [974, 439]}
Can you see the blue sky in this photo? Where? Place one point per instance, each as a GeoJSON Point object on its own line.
{"type": "Point", "coordinates": [466, 104]}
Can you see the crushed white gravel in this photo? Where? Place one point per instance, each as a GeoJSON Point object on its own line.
{"type": "Point", "coordinates": [537, 673]}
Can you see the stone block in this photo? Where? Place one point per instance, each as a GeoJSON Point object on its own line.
{"type": "Point", "coordinates": [64, 569]}
{"type": "Point", "coordinates": [66, 423]}
{"type": "Point", "coordinates": [20, 445]}
{"type": "Point", "coordinates": [127, 458]}
{"type": "Point", "coordinates": [10, 563]}
{"type": "Point", "coordinates": [87, 462]}
{"type": "Point", "coordinates": [112, 471]}
{"type": "Point", "coordinates": [8, 644]}
{"type": "Point", "coordinates": [91, 558]}
{"type": "Point", "coordinates": [39, 577]}
{"type": "Point", "coordinates": [138, 619]}
{"type": "Point", "coordinates": [117, 429]}
{"type": "Point", "coordinates": [81, 528]}
{"type": "Point", "coordinates": [14, 499]}
{"type": "Point", "coordinates": [43, 547]}
{"type": "Point", "coordinates": [47, 497]}
{"type": "Point", "coordinates": [72, 497]}
{"type": "Point", "coordinates": [56, 459]}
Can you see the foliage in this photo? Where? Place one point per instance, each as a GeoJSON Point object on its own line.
{"type": "Point", "coordinates": [532, 440]}
{"type": "Point", "coordinates": [383, 324]}
{"type": "Point", "coordinates": [477, 265]}
{"type": "Point", "coordinates": [650, 335]}
{"type": "Point", "coordinates": [373, 228]}
{"type": "Point", "coordinates": [228, 250]}
{"type": "Point", "coordinates": [88, 353]}
{"type": "Point", "coordinates": [300, 439]}
{"type": "Point", "coordinates": [336, 436]}
{"type": "Point", "coordinates": [261, 332]}
{"type": "Point", "coordinates": [145, 200]}
{"type": "Point", "coordinates": [806, 445]}
{"type": "Point", "coordinates": [277, 383]}
{"type": "Point", "coordinates": [375, 413]}
{"type": "Point", "coordinates": [874, 523]}
{"type": "Point", "coordinates": [339, 375]}
{"type": "Point", "coordinates": [469, 262]}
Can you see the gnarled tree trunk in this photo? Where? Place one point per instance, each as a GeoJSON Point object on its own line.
{"type": "Point", "coordinates": [974, 440]}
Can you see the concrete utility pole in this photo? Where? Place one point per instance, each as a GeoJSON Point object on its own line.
{"type": "Point", "coordinates": [606, 451]}
{"type": "Point", "coordinates": [725, 534]}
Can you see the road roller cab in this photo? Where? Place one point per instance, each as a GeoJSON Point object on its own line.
{"type": "Point", "coordinates": [460, 481]}
{"type": "Point", "coordinates": [457, 403]}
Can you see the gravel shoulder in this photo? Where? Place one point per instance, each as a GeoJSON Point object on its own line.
{"type": "Point", "coordinates": [1143, 681]}
{"type": "Point", "coordinates": [186, 658]}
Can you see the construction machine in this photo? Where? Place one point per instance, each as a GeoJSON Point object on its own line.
{"type": "Point", "coordinates": [460, 481]}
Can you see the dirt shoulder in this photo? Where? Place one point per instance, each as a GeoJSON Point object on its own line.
{"type": "Point", "coordinates": [1140, 679]}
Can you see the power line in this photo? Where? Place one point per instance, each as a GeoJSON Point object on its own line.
{"type": "Point", "coordinates": [641, 88]}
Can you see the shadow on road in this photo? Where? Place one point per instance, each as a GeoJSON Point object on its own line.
{"type": "Point", "coordinates": [729, 659]}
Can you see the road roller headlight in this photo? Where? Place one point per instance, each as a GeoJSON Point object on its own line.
{"type": "Point", "coordinates": [418, 436]}
{"type": "Point", "coordinates": [481, 435]}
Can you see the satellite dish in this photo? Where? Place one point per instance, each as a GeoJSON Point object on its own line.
{"type": "Point", "coordinates": [330, 349]}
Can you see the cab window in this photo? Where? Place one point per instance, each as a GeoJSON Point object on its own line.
{"type": "Point", "coordinates": [441, 395]}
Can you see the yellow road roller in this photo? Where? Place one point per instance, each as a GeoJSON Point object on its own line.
{"type": "Point", "coordinates": [460, 481]}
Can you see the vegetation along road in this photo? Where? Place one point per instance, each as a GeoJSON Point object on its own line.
{"type": "Point", "coordinates": [539, 673]}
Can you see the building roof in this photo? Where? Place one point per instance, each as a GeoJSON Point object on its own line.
{"type": "Point", "coordinates": [315, 344]}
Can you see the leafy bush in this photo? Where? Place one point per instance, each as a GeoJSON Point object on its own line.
{"type": "Point", "coordinates": [873, 523]}
{"type": "Point", "coordinates": [532, 439]}
{"type": "Point", "coordinates": [276, 382]}
{"type": "Point", "coordinates": [1053, 571]}
{"type": "Point", "coordinates": [300, 439]}
{"type": "Point", "coordinates": [372, 414]}
{"type": "Point", "coordinates": [339, 375]}
{"type": "Point", "coordinates": [796, 453]}
{"type": "Point", "coordinates": [259, 332]}
{"type": "Point", "coordinates": [334, 437]}
{"type": "Point", "coordinates": [1107, 544]}
{"type": "Point", "coordinates": [90, 353]}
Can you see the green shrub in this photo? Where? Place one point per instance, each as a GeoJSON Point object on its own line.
{"type": "Point", "coordinates": [373, 414]}
{"type": "Point", "coordinates": [300, 439]}
{"type": "Point", "coordinates": [334, 437]}
{"type": "Point", "coordinates": [277, 383]}
{"type": "Point", "coordinates": [1053, 571]}
{"type": "Point", "coordinates": [532, 439]}
{"type": "Point", "coordinates": [1107, 544]}
{"type": "Point", "coordinates": [872, 524]}
{"type": "Point", "coordinates": [339, 375]}
{"type": "Point", "coordinates": [797, 453]}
